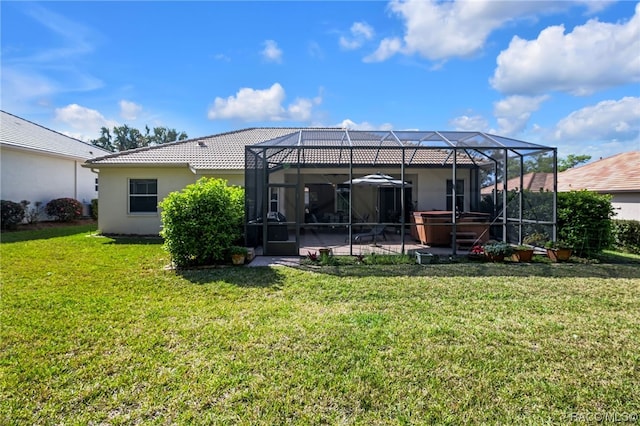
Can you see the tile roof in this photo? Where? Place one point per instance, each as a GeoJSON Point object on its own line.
{"type": "Point", "coordinates": [223, 151]}
{"type": "Point", "coordinates": [618, 173]}
{"type": "Point", "coordinates": [534, 181]}
{"type": "Point", "coordinates": [226, 151]}
{"type": "Point", "coordinates": [20, 133]}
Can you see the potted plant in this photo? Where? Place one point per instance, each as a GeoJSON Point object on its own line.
{"type": "Point", "coordinates": [522, 253]}
{"type": "Point", "coordinates": [558, 251]}
{"type": "Point", "coordinates": [497, 250]}
{"type": "Point", "coordinates": [238, 254]}
{"type": "Point", "coordinates": [477, 253]}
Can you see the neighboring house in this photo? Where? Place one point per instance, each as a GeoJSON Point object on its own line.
{"type": "Point", "coordinates": [534, 181]}
{"type": "Point", "coordinates": [39, 164]}
{"type": "Point", "coordinates": [302, 174]}
{"type": "Point", "coordinates": [618, 176]}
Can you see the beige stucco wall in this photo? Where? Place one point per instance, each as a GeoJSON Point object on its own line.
{"type": "Point", "coordinates": [626, 205]}
{"type": "Point", "coordinates": [428, 188]}
{"type": "Point", "coordinates": [26, 175]}
{"type": "Point", "coordinates": [114, 216]}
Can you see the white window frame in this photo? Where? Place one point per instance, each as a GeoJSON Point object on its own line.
{"type": "Point", "coordinates": [129, 195]}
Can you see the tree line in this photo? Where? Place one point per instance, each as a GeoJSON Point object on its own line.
{"type": "Point", "coordinates": [122, 138]}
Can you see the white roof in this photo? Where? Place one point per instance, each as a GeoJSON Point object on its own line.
{"type": "Point", "coordinates": [20, 133]}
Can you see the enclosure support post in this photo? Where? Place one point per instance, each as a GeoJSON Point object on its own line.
{"type": "Point", "coordinates": [555, 194]}
{"type": "Point", "coordinates": [521, 199]}
{"type": "Point", "coordinates": [350, 199]}
{"type": "Point", "coordinates": [402, 204]}
{"type": "Point", "coordinates": [505, 171]}
{"type": "Point", "coordinates": [265, 199]}
{"type": "Point", "coordinates": [454, 204]}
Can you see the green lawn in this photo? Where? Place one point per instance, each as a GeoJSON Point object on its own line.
{"type": "Point", "coordinates": [95, 331]}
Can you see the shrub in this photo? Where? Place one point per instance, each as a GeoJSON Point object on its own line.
{"type": "Point", "coordinates": [626, 235]}
{"type": "Point", "coordinates": [32, 214]}
{"type": "Point", "coordinates": [498, 248]}
{"type": "Point", "coordinates": [585, 221]}
{"type": "Point", "coordinates": [201, 222]}
{"type": "Point", "coordinates": [64, 209]}
{"type": "Point", "coordinates": [11, 214]}
{"type": "Point", "coordinates": [94, 208]}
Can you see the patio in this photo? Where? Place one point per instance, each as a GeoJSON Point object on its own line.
{"type": "Point", "coordinates": [319, 188]}
{"type": "Point", "coordinates": [337, 240]}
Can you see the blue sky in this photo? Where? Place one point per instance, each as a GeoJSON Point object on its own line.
{"type": "Point", "coordinates": [564, 73]}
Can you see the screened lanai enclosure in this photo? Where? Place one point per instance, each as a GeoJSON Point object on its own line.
{"type": "Point", "coordinates": [357, 192]}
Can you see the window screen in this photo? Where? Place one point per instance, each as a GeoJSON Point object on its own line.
{"type": "Point", "coordinates": [143, 195]}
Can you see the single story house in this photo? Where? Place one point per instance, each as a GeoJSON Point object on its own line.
{"type": "Point", "coordinates": [618, 176]}
{"type": "Point", "coordinates": [308, 178]}
{"type": "Point", "coordinates": [39, 164]}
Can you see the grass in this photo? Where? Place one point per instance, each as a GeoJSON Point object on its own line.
{"type": "Point", "coordinates": [95, 331]}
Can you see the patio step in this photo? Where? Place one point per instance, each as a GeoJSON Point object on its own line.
{"type": "Point", "coordinates": [465, 239]}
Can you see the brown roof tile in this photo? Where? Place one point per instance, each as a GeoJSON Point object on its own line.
{"type": "Point", "coordinates": [618, 173]}
{"type": "Point", "coordinates": [227, 152]}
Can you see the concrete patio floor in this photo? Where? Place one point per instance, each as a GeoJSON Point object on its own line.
{"type": "Point", "coordinates": [338, 243]}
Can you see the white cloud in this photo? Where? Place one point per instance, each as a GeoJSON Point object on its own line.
{"type": "Point", "coordinates": [352, 125]}
{"type": "Point", "coordinates": [360, 32]}
{"type": "Point", "coordinates": [387, 48]}
{"type": "Point", "coordinates": [271, 51]}
{"type": "Point", "coordinates": [260, 105]}
{"type": "Point", "coordinates": [129, 110]}
{"type": "Point", "coordinates": [302, 108]}
{"type": "Point", "coordinates": [85, 121]}
{"type": "Point", "coordinates": [315, 51]}
{"type": "Point", "coordinates": [513, 113]}
{"type": "Point", "coordinates": [440, 30]}
{"type": "Point", "coordinates": [606, 121]}
{"type": "Point", "coordinates": [20, 87]}
{"type": "Point", "coordinates": [593, 56]}
{"type": "Point", "coordinates": [221, 57]}
{"type": "Point", "coordinates": [467, 123]}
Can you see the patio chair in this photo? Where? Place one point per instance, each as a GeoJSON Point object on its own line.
{"type": "Point", "coordinates": [373, 234]}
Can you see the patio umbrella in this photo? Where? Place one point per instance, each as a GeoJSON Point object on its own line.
{"type": "Point", "coordinates": [378, 180]}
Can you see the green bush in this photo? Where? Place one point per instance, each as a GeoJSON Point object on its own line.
{"type": "Point", "coordinates": [626, 235]}
{"type": "Point", "coordinates": [64, 209]}
{"type": "Point", "coordinates": [585, 221]}
{"type": "Point", "coordinates": [94, 209]}
{"type": "Point", "coordinates": [201, 222]}
{"type": "Point", "coordinates": [11, 214]}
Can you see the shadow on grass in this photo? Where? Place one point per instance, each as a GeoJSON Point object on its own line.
{"type": "Point", "coordinates": [46, 232]}
{"type": "Point", "coordinates": [132, 240]}
{"type": "Point", "coordinates": [238, 276]}
{"type": "Point", "coordinates": [546, 270]}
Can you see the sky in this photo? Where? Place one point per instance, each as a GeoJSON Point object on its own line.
{"type": "Point", "coordinates": [562, 73]}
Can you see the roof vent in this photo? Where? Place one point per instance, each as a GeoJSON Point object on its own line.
{"type": "Point", "coordinates": [202, 143]}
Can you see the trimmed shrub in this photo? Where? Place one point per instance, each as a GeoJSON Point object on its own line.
{"type": "Point", "coordinates": [201, 222]}
{"type": "Point", "coordinates": [11, 214]}
{"type": "Point", "coordinates": [585, 221]}
{"type": "Point", "coordinates": [626, 235]}
{"type": "Point", "coordinates": [64, 209]}
{"type": "Point", "coordinates": [94, 208]}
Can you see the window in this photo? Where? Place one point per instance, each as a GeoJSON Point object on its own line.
{"type": "Point", "coordinates": [143, 195]}
{"type": "Point", "coordinates": [459, 194]}
{"type": "Point", "coordinates": [96, 185]}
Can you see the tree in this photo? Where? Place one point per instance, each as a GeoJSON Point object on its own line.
{"type": "Point", "coordinates": [572, 161]}
{"type": "Point", "coordinates": [125, 137]}
{"type": "Point", "coordinates": [540, 163]}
